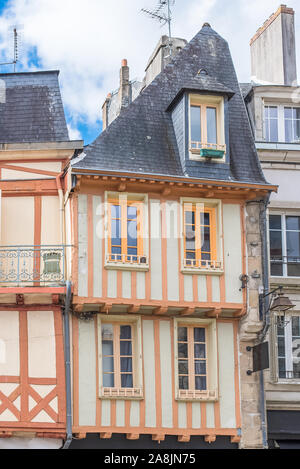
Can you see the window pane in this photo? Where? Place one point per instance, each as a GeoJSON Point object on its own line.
{"type": "Point", "coordinates": [115, 211]}
{"type": "Point", "coordinates": [288, 112]}
{"type": "Point", "coordinates": [276, 269]}
{"type": "Point", "coordinates": [182, 334]}
{"type": "Point", "coordinates": [211, 116]}
{"type": "Point", "coordinates": [126, 381]}
{"type": "Point", "coordinates": [200, 367]}
{"type": "Point", "coordinates": [275, 245]}
{"type": "Point", "coordinates": [273, 112]}
{"type": "Point", "coordinates": [183, 367]}
{"type": "Point", "coordinates": [199, 351]}
{"type": "Point", "coordinates": [183, 382]}
{"type": "Point", "coordinates": [200, 383]}
{"type": "Point", "coordinates": [289, 130]}
{"type": "Point", "coordinates": [199, 334]}
{"type": "Point", "coordinates": [281, 367]}
{"type": "Point", "coordinates": [281, 347]}
{"type": "Point", "coordinates": [126, 364]}
{"type": "Point", "coordinates": [205, 219]}
{"type": "Point", "coordinates": [125, 332]}
{"type": "Point", "coordinates": [293, 270]}
{"type": "Point", "coordinates": [108, 364]}
{"type": "Point", "coordinates": [196, 123]}
{"type": "Point", "coordinates": [205, 237]}
{"type": "Point", "coordinates": [182, 350]}
{"type": "Point", "coordinates": [296, 326]}
{"type": "Point", "coordinates": [132, 233]}
{"type": "Point", "coordinates": [108, 381]}
{"type": "Point", "coordinates": [275, 222]}
{"type": "Point", "coordinates": [131, 212]}
{"type": "Point", "coordinates": [190, 218]}
{"type": "Point", "coordinates": [107, 347]}
{"type": "Point", "coordinates": [293, 223]}
{"type": "Point", "coordinates": [125, 347]}
{"type": "Point", "coordinates": [107, 332]}
{"type": "Point", "coordinates": [293, 244]}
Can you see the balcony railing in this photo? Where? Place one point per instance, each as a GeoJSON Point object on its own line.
{"type": "Point", "coordinates": [32, 265]}
{"type": "Point", "coordinates": [283, 266]}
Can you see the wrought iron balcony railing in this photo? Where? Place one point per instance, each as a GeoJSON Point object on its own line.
{"type": "Point", "coordinates": [34, 265]}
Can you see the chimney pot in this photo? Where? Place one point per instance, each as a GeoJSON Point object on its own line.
{"type": "Point", "coordinates": [124, 63]}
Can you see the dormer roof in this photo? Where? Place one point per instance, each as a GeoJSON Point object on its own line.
{"type": "Point", "coordinates": [142, 138]}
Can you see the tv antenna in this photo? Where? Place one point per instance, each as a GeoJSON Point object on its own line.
{"type": "Point", "coordinates": [163, 14]}
{"type": "Point", "coordinates": [15, 30]}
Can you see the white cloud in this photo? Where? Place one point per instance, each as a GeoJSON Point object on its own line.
{"type": "Point", "coordinates": [87, 39]}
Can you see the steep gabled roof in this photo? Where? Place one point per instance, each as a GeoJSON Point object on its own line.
{"type": "Point", "coordinates": [142, 138]}
{"type": "Point", "coordinates": [31, 108]}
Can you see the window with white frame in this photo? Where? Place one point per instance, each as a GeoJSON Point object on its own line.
{"type": "Point", "coordinates": [120, 357]}
{"type": "Point", "coordinates": [284, 233]}
{"type": "Point", "coordinates": [271, 123]}
{"type": "Point", "coordinates": [288, 347]}
{"type": "Point", "coordinates": [196, 359]}
{"type": "Point", "coordinates": [282, 123]}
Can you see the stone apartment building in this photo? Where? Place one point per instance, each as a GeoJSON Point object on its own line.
{"type": "Point", "coordinates": [273, 103]}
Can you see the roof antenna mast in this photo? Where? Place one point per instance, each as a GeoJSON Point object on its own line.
{"type": "Point", "coordinates": [16, 35]}
{"type": "Point", "coordinates": [163, 14]}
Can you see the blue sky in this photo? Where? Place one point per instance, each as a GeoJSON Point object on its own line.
{"type": "Point", "coordinates": [87, 39]}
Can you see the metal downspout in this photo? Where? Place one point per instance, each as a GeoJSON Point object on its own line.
{"type": "Point", "coordinates": [68, 365]}
{"type": "Point", "coordinates": [265, 272]}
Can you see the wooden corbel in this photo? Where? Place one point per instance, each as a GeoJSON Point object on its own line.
{"type": "Point", "coordinates": [160, 310]}
{"type": "Point", "coordinates": [105, 436]}
{"type": "Point", "coordinates": [215, 313]}
{"type": "Point", "coordinates": [133, 436]}
{"type": "Point", "coordinates": [159, 437]}
{"type": "Point", "coordinates": [133, 309]}
{"type": "Point", "coordinates": [187, 311]}
{"type": "Point", "coordinates": [184, 438]}
{"type": "Point", "coordinates": [106, 308]}
{"type": "Point", "coordinates": [210, 438]}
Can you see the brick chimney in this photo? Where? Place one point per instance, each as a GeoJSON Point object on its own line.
{"type": "Point", "coordinates": [273, 50]}
{"type": "Point", "coordinates": [124, 90]}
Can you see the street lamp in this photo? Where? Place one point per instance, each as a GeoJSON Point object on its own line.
{"type": "Point", "coordinates": [281, 304]}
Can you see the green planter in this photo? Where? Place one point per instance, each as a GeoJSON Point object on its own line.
{"type": "Point", "coordinates": [209, 153]}
{"type": "Point", "coordinates": [52, 263]}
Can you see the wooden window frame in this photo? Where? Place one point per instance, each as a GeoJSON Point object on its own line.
{"type": "Point", "coordinates": [215, 264]}
{"type": "Point", "coordinates": [211, 392]}
{"type": "Point", "coordinates": [126, 261]}
{"type": "Point", "coordinates": [204, 102]}
{"type": "Point", "coordinates": [117, 391]}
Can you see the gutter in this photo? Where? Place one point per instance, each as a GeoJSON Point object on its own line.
{"type": "Point", "coordinates": [266, 319]}
{"type": "Point", "coordinates": [68, 365]}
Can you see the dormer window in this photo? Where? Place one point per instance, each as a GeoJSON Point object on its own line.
{"type": "Point", "coordinates": [207, 139]}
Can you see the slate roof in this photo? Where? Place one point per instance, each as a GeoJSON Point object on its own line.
{"type": "Point", "coordinates": [31, 108]}
{"type": "Point", "coordinates": [142, 138]}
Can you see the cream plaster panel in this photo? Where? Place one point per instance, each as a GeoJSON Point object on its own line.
{"type": "Point", "coordinates": [182, 415]}
{"type": "Point", "coordinates": [120, 413]}
{"type": "Point", "coordinates": [17, 221]}
{"type": "Point", "coordinates": [41, 344]}
{"type": "Point", "coordinates": [50, 229]}
{"type": "Point", "coordinates": [82, 246]}
{"type": "Point", "coordinates": [43, 417]}
{"type": "Point", "coordinates": [155, 247]}
{"type": "Point", "coordinates": [172, 251]}
{"type": "Point", "coordinates": [232, 252]}
{"type": "Point", "coordinates": [7, 416]}
{"type": "Point", "coordinates": [9, 174]}
{"type": "Point", "coordinates": [9, 343]}
{"type": "Point", "coordinates": [135, 414]}
{"type": "Point", "coordinates": [226, 375]}
{"type": "Point", "coordinates": [202, 288]}
{"type": "Point", "coordinates": [210, 415]}
{"type": "Point", "coordinates": [8, 388]}
{"type": "Point", "coordinates": [166, 376]}
{"type": "Point", "coordinates": [98, 220]}
{"type": "Point", "coordinates": [87, 375]}
{"type": "Point", "coordinates": [112, 284]}
{"type": "Point", "coordinates": [105, 413]}
{"type": "Point", "coordinates": [188, 288]}
{"type": "Point", "coordinates": [140, 285]}
{"type": "Point", "coordinates": [149, 373]}
{"type": "Point", "coordinates": [126, 284]}
{"type": "Point", "coordinates": [196, 415]}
